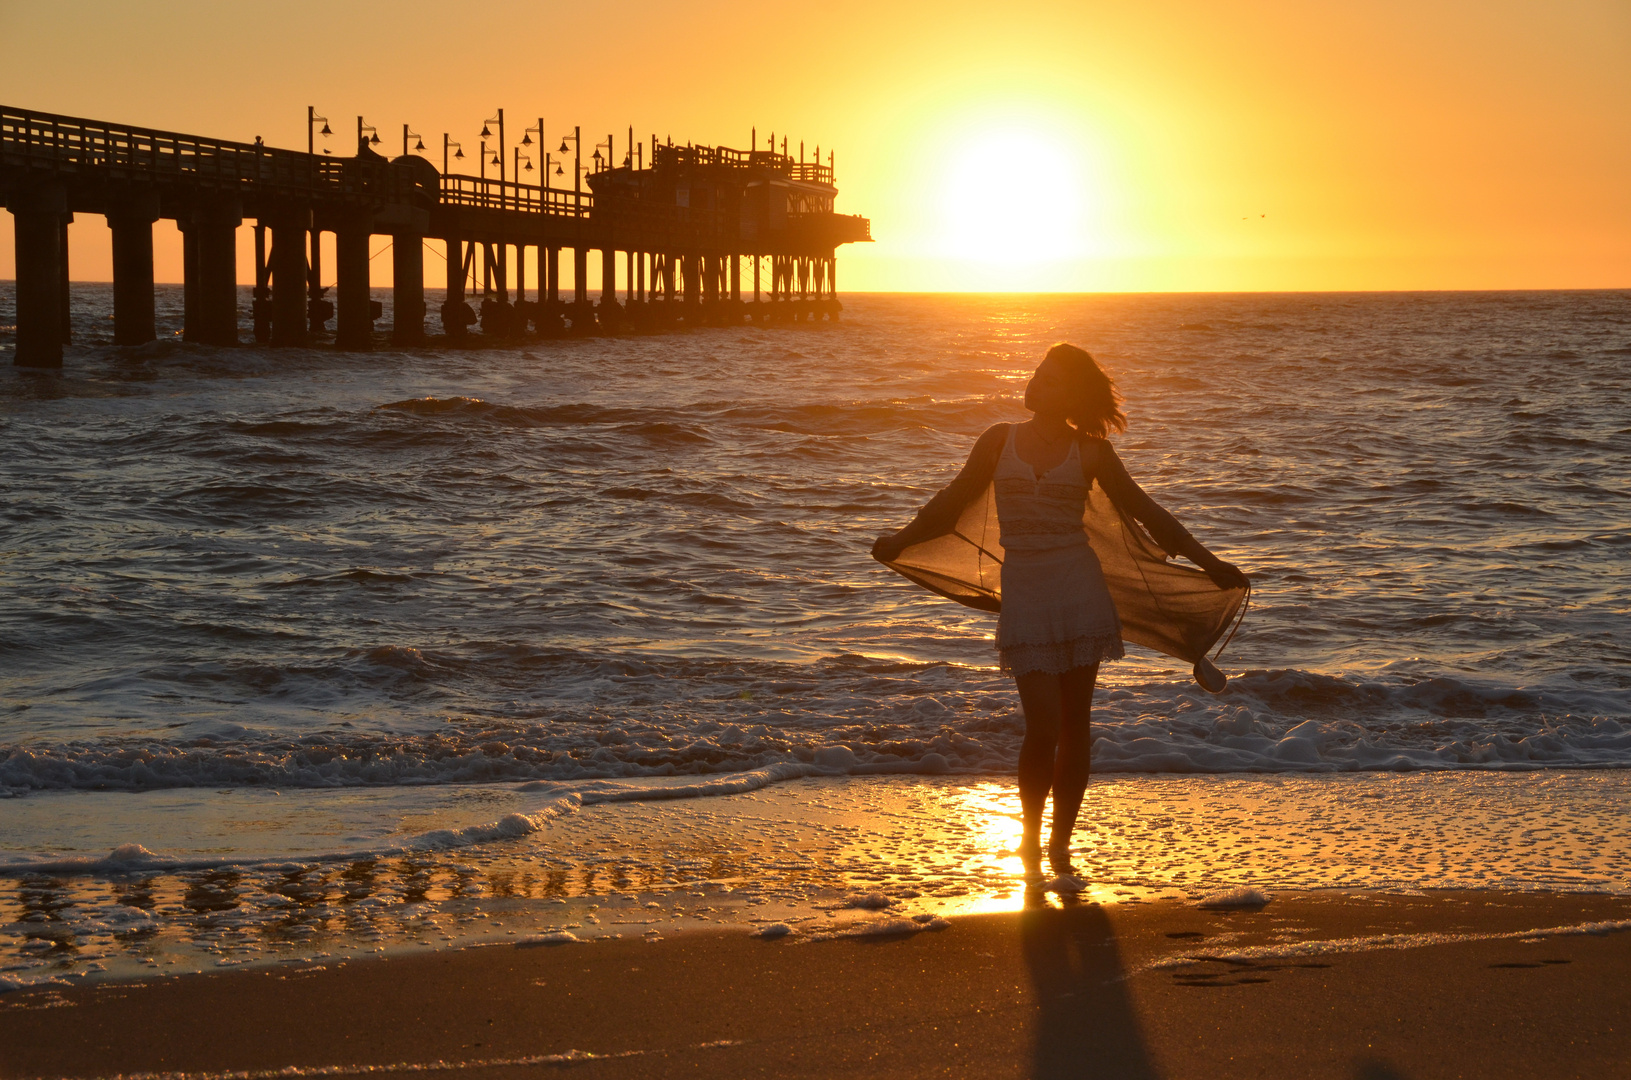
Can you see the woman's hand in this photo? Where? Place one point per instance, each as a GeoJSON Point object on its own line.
{"type": "Point", "coordinates": [1224, 575]}
{"type": "Point", "coordinates": [888, 548]}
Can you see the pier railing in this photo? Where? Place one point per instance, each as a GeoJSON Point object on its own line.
{"type": "Point", "coordinates": [829, 230]}
{"type": "Point", "coordinates": [49, 143]}
{"type": "Point", "coordinates": [485, 194]}
{"type": "Point", "coordinates": [692, 156]}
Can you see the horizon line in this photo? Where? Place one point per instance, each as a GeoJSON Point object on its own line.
{"type": "Point", "coordinates": [1066, 292]}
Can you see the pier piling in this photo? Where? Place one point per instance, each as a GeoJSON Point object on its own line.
{"type": "Point", "coordinates": [130, 219]}
{"type": "Point", "coordinates": [354, 323]}
{"type": "Point", "coordinates": [454, 312]}
{"type": "Point", "coordinates": [291, 279]}
{"type": "Point", "coordinates": [210, 233]}
{"type": "Point", "coordinates": [37, 216]}
{"type": "Point", "coordinates": [407, 289]}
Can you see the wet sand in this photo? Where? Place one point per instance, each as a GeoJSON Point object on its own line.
{"type": "Point", "coordinates": [1313, 985]}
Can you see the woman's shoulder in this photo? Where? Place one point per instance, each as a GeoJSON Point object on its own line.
{"type": "Point", "coordinates": [992, 439]}
{"type": "Point", "coordinates": [983, 458]}
{"type": "Point", "coordinates": [1095, 445]}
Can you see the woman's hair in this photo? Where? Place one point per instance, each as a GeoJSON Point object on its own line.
{"type": "Point", "coordinates": [1095, 407]}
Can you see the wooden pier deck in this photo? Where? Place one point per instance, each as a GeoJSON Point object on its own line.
{"type": "Point", "coordinates": [687, 235]}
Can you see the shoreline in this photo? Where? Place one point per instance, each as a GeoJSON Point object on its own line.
{"type": "Point", "coordinates": [1341, 985]}
{"type": "Point", "coordinates": [807, 852]}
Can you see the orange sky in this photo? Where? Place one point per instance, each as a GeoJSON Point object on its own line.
{"type": "Point", "coordinates": [1049, 146]}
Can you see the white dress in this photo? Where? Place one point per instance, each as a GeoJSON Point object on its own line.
{"type": "Point", "coordinates": [1056, 610]}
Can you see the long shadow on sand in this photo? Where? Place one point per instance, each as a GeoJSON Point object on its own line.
{"type": "Point", "coordinates": [1086, 1027]}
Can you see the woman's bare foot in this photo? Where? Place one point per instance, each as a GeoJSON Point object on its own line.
{"type": "Point", "coordinates": [1059, 859]}
{"type": "Point", "coordinates": [1030, 856]}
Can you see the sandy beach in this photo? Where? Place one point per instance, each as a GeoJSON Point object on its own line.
{"type": "Point", "coordinates": [1357, 985]}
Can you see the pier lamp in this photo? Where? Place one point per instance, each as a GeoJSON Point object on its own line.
{"type": "Point", "coordinates": [406, 135]}
{"type": "Point", "coordinates": [487, 134]}
{"type": "Point", "coordinates": [362, 127]}
{"type": "Point", "coordinates": [577, 161]}
{"type": "Point", "coordinates": [448, 144]}
{"type": "Point", "coordinates": [526, 140]}
{"type": "Point", "coordinates": [311, 122]}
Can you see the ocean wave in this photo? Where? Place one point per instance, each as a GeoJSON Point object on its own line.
{"type": "Point", "coordinates": [547, 803]}
{"type": "Point", "coordinates": [674, 718]}
{"type": "Point", "coordinates": [686, 423]}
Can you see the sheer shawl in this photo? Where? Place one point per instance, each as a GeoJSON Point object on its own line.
{"type": "Point", "coordinates": [1174, 609]}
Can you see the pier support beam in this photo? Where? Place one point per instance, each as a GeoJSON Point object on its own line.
{"type": "Point", "coordinates": [610, 313]}
{"type": "Point", "coordinates": [319, 309]}
{"type": "Point", "coordinates": [210, 263]}
{"type": "Point", "coordinates": [130, 220]}
{"type": "Point", "coordinates": [290, 278]}
{"type": "Point", "coordinates": [41, 263]}
{"type": "Point", "coordinates": [261, 306]}
{"type": "Point", "coordinates": [354, 324]}
{"type": "Point", "coordinates": [65, 304]}
{"type": "Point", "coordinates": [407, 289]}
{"type": "Point", "coordinates": [453, 313]}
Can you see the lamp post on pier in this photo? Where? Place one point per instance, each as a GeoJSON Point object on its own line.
{"type": "Point", "coordinates": [373, 140]}
{"type": "Point", "coordinates": [448, 144]}
{"type": "Point", "coordinates": [406, 135]}
{"type": "Point", "coordinates": [311, 123]}
{"type": "Point", "coordinates": [517, 171]}
{"type": "Point", "coordinates": [577, 166]}
{"type": "Point", "coordinates": [526, 140]}
{"type": "Point", "coordinates": [499, 120]}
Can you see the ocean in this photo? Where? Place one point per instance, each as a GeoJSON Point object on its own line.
{"type": "Point", "coordinates": [271, 615]}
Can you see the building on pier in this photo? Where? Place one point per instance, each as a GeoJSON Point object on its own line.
{"type": "Point", "coordinates": [702, 235]}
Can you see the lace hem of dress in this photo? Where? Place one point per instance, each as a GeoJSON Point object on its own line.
{"type": "Point", "coordinates": [1057, 657]}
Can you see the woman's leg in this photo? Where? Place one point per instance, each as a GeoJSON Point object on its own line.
{"type": "Point", "coordinates": [1074, 761]}
{"type": "Point", "coordinates": [1041, 695]}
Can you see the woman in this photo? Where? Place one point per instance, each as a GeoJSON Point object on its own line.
{"type": "Point", "coordinates": [1057, 620]}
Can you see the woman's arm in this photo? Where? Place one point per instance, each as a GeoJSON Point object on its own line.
{"type": "Point", "coordinates": [941, 512]}
{"type": "Point", "coordinates": [1173, 537]}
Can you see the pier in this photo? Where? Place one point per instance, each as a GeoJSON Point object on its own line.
{"type": "Point", "coordinates": [687, 235]}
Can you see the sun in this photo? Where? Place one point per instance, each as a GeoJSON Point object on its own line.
{"type": "Point", "coordinates": [1014, 195]}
